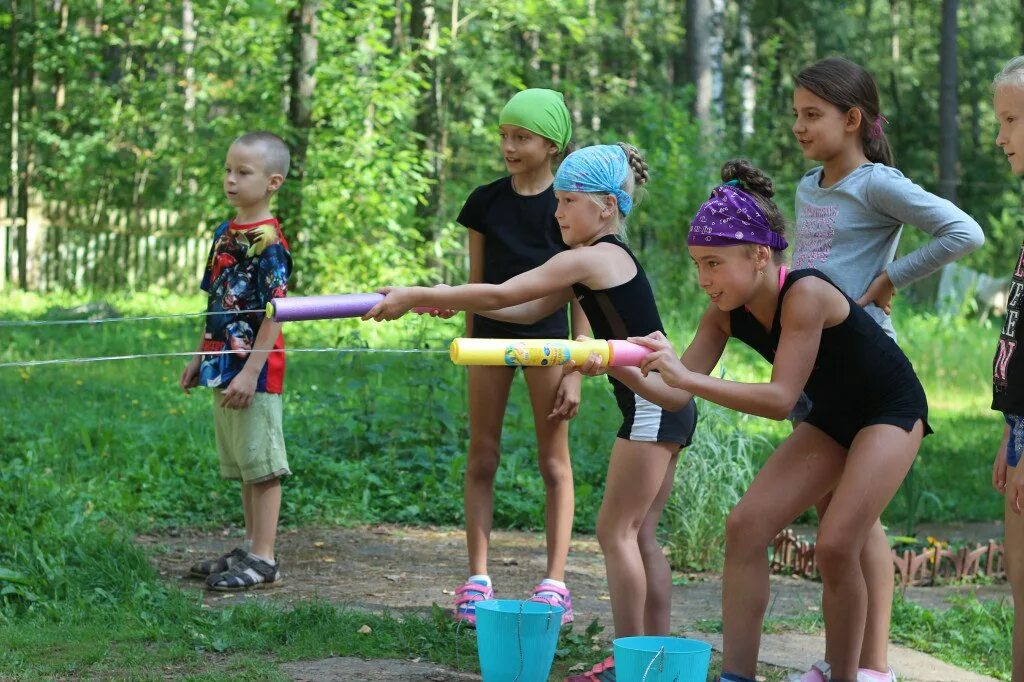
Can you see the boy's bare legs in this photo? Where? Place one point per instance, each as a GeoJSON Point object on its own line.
{"type": "Point", "coordinates": [262, 515]}
{"type": "Point", "coordinates": [247, 509]}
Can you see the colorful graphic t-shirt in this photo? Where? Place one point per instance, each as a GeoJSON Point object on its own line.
{"type": "Point", "coordinates": [1007, 368]}
{"type": "Point", "coordinates": [249, 265]}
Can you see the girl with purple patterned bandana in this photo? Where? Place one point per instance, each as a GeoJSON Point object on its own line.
{"type": "Point", "coordinates": [868, 418]}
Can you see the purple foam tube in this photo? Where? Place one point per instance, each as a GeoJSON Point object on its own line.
{"type": "Point", "coordinates": [299, 308]}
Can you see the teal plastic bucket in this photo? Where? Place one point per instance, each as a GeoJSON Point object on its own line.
{"type": "Point", "coordinates": [661, 659]}
{"type": "Point", "coordinates": [516, 640]}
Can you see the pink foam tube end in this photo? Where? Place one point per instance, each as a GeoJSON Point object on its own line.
{"type": "Point", "coordinates": [298, 308]}
{"type": "Point", "coordinates": [626, 354]}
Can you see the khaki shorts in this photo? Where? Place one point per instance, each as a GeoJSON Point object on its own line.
{"type": "Point", "coordinates": [250, 442]}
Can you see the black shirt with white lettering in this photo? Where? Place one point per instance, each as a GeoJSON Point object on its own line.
{"type": "Point", "coordinates": [1007, 366]}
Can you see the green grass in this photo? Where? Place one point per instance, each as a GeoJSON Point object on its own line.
{"type": "Point", "coordinates": [95, 452]}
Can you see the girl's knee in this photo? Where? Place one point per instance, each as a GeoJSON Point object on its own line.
{"type": "Point", "coordinates": [743, 528]}
{"type": "Point", "coordinates": [613, 531]}
{"type": "Point", "coordinates": [835, 554]}
{"type": "Point", "coordinates": [483, 460]}
{"type": "Point", "coordinates": [650, 548]}
{"type": "Point", "coordinates": [555, 468]}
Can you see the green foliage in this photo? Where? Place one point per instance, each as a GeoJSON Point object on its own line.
{"type": "Point", "coordinates": [147, 113]}
{"type": "Point", "coordinates": [972, 634]}
{"type": "Point", "coordinates": [712, 475]}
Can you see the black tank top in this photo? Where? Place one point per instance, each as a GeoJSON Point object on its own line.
{"type": "Point", "coordinates": [627, 309]}
{"type": "Point", "coordinates": [857, 363]}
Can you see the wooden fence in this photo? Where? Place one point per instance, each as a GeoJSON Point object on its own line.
{"type": "Point", "coordinates": [117, 251]}
{"type": "Point", "coordinates": [929, 566]}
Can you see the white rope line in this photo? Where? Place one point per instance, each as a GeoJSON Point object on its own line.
{"type": "Point", "coordinates": [70, 361]}
{"type": "Point", "coordinates": [103, 320]}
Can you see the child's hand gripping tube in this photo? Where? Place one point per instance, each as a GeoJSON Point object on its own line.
{"type": "Point", "coordinates": [543, 352]}
{"type": "Point", "coordinates": [299, 308]}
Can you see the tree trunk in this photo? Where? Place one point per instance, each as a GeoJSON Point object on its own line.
{"type": "Point", "coordinates": [748, 86]}
{"type": "Point", "coordinates": [397, 29]}
{"type": "Point", "coordinates": [594, 71]}
{"type": "Point", "coordinates": [60, 8]}
{"type": "Point", "coordinates": [424, 33]}
{"type": "Point", "coordinates": [697, 19]}
{"type": "Point", "coordinates": [15, 161]}
{"type": "Point", "coordinates": [716, 57]}
{"type": "Point", "coordinates": [188, 47]}
{"type": "Point", "coordinates": [301, 84]}
{"type": "Point", "coordinates": [948, 102]}
{"type": "Point", "coordinates": [894, 90]}
{"type": "Point", "coordinates": [25, 170]}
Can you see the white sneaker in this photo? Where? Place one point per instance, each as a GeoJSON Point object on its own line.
{"type": "Point", "coordinates": [819, 672]}
{"type": "Point", "coordinates": [865, 675]}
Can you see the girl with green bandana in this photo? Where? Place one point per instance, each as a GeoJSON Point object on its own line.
{"type": "Point", "coordinates": [512, 229]}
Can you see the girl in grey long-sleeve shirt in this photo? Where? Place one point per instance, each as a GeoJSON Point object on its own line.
{"type": "Point", "coordinates": [850, 212]}
{"type": "Point", "coordinates": [850, 230]}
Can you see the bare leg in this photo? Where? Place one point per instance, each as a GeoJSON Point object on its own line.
{"type": "Point", "coordinates": [488, 394]}
{"type": "Point", "coordinates": [1014, 546]}
{"type": "Point", "coordinates": [880, 577]}
{"type": "Point", "coordinates": [805, 465]}
{"type": "Point", "coordinates": [266, 506]}
{"type": "Point", "coordinates": [636, 474]}
{"type": "Point", "coordinates": [876, 465]}
{"type": "Point", "coordinates": [555, 467]}
{"type": "Point", "coordinates": [247, 510]}
{"type": "Point", "coordinates": [658, 606]}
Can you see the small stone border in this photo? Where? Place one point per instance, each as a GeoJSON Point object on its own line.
{"type": "Point", "coordinates": [931, 566]}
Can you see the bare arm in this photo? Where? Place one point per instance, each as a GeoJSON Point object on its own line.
{"type": "Point", "coordinates": [580, 323]}
{"type": "Point", "coordinates": [476, 268]}
{"type": "Point", "coordinates": [239, 392]}
{"type": "Point", "coordinates": [190, 375]}
{"type": "Point", "coordinates": [701, 356]}
{"type": "Point", "coordinates": [556, 275]}
{"type": "Point", "coordinates": [806, 311]}
{"type": "Point", "coordinates": [534, 311]}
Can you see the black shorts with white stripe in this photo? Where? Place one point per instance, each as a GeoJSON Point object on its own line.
{"type": "Point", "coordinates": [646, 422]}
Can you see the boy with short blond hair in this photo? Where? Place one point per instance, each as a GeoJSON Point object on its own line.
{"type": "Point", "coordinates": [243, 360]}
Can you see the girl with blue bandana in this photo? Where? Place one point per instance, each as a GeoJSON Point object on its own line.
{"type": "Point", "coordinates": [596, 189]}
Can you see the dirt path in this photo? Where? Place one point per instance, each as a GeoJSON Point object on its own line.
{"type": "Point", "coordinates": [409, 569]}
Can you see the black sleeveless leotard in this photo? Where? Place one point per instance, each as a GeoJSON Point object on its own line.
{"type": "Point", "coordinates": [629, 309]}
{"type": "Point", "coordinates": [860, 376]}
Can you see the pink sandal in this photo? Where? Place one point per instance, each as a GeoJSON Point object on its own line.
{"type": "Point", "coordinates": [466, 598]}
{"type": "Point", "coordinates": [605, 670]}
{"type": "Point", "coordinates": [553, 595]}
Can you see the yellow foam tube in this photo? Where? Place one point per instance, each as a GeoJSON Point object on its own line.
{"type": "Point", "coordinates": [525, 352]}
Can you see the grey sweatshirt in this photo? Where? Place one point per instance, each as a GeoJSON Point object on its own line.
{"type": "Point", "coordinates": [850, 230]}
